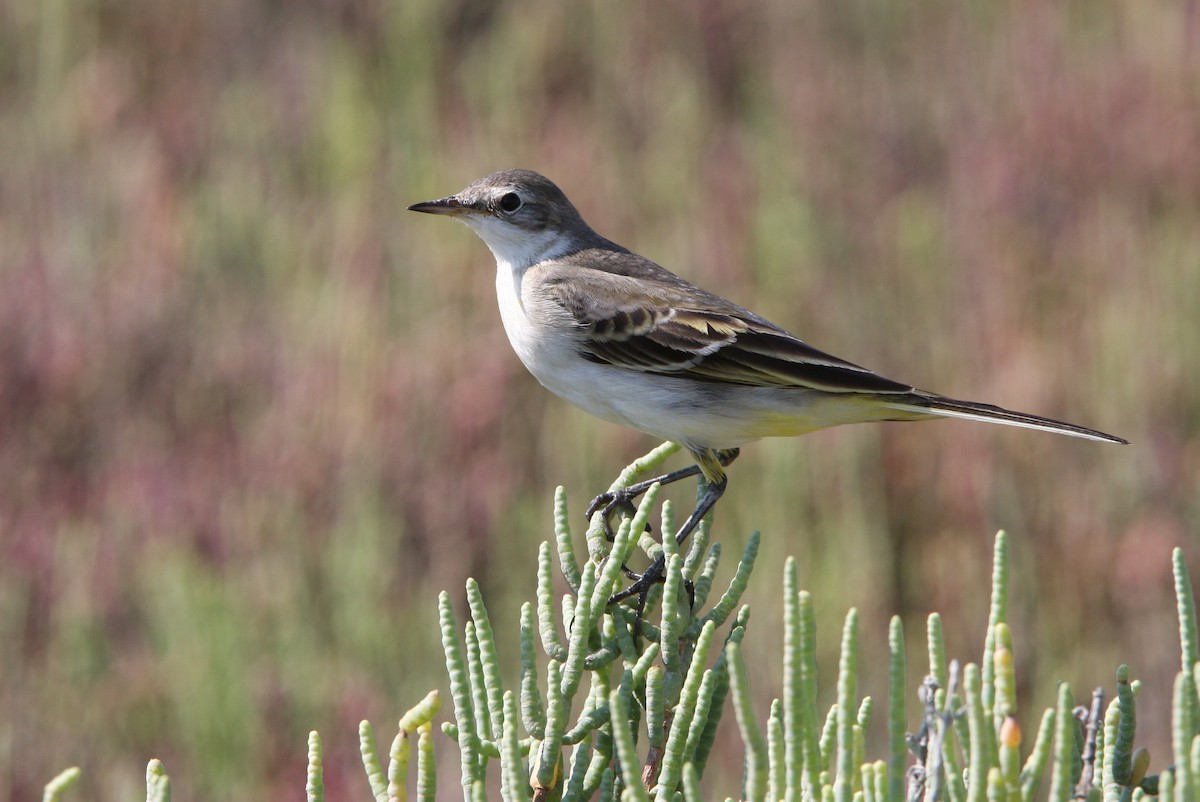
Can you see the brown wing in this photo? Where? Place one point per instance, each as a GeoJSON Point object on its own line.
{"type": "Point", "coordinates": [675, 329]}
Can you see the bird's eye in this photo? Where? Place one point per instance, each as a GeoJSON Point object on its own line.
{"type": "Point", "coordinates": [510, 202]}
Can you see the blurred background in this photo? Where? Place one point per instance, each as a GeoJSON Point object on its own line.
{"type": "Point", "coordinates": [254, 415]}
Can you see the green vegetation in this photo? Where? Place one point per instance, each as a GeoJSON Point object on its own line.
{"type": "Point", "coordinates": [623, 710]}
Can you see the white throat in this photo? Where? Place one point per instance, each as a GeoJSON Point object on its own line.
{"type": "Point", "coordinates": [516, 247]}
{"type": "Point", "coordinates": [516, 250]}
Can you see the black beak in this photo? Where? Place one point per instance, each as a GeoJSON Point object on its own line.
{"type": "Point", "coordinates": [450, 205]}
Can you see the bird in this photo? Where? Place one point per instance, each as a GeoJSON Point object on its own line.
{"type": "Point", "coordinates": [630, 342]}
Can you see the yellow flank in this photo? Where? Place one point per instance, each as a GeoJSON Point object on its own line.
{"type": "Point", "coordinates": [783, 424]}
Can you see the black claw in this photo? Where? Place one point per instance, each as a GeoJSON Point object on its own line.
{"type": "Point", "coordinates": [641, 615]}
{"type": "Point", "coordinates": [642, 583]}
{"type": "Point", "coordinates": [622, 500]}
{"type": "Point", "coordinates": [608, 503]}
{"type": "Point", "coordinates": [598, 503]}
{"type": "Point", "coordinates": [641, 586]}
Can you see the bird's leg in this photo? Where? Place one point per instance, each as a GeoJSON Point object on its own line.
{"type": "Point", "coordinates": [710, 463]}
{"type": "Point", "coordinates": [655, 573]}
{"type": "Point", "coordinates": [622, 498]}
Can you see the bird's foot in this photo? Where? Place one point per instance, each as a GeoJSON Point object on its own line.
{"type": "Point", "coordinates": [642, 583]}
{"type": "Point", "coordinates": [641, 587]}
{"type": "Point", "coordinates": [617, 501]}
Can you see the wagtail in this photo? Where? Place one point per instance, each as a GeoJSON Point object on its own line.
{"type": "Point", "coordinates": [629, 341]}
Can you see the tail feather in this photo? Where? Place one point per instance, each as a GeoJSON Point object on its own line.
{"type": "Point", "coordinates": [988, 413]}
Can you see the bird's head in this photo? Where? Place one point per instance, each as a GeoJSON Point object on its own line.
{"type": "Point", "coordinates": [521, 215]}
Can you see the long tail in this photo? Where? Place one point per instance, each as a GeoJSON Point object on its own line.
{"type": "Point", "coordinates": [988, 413]}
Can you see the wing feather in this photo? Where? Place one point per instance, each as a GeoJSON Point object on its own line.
{"type": "Point", "coordinates": [669, 330]}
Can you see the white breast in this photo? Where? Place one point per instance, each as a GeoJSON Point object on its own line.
{"type": "Point", "coordinates": [521, 332]}
{"type": "Point", "coordinates": [542, 335]}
